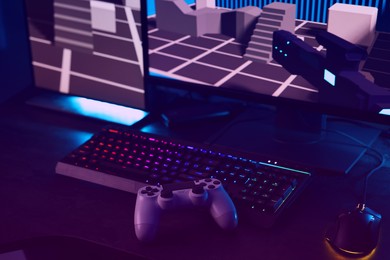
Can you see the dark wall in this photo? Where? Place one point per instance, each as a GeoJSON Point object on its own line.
{"type": "Point", "coordinates": [2, 32]}
{"type": "Point", "coordinates": [305, 9]}
{"type": "Point", "coordinates": [15, 69]}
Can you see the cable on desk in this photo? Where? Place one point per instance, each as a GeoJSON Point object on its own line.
{"type": "Point", "coordinates": [382, 158]}
{"type": "Point", "coordinates": [369, 174]}
{"type": "Point", "coordinates": [213, 139]}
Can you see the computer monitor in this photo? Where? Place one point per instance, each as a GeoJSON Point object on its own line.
{"type": "Point", "coordinates": [88, 48]}
{"type": "Point", "coordinates": [314, 57]}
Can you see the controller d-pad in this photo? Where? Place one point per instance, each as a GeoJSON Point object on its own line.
{"type": "Point", "coordinates": [149, 191]}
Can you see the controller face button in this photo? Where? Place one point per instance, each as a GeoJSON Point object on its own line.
{"type": "Point", "coordinates": [153, 199]}
{"type": "Point", "coordinates": [198, 189]}
{"type": "Point", "coordinates": [166, 194]}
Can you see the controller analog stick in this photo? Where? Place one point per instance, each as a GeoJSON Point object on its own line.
{"type": "Point", "coordinates": [198, 190]}
{"type": "Point", "coordinates": [166, 194]}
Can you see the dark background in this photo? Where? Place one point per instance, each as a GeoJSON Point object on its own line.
{"type": "Point", "coordinates": [15, 67]}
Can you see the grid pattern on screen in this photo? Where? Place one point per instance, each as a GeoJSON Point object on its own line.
{"type": "Point", "coordinates": [217, 60]}
{"type": "Point", "coordinates": [73, 55]}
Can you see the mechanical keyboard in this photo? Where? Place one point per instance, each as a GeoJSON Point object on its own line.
{"type": "Point", "coordinates": [128, 159]}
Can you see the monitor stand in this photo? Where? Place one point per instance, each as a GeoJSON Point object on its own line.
{"type": "Point", "coordinates": [327, 151]}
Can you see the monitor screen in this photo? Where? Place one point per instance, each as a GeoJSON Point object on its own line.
{"type": "Point", "coordinates": [88, 48]}
{"type": "Point", "coordinates": [307, 59]}
{"type": "Point", "coordinates": [323, 54]}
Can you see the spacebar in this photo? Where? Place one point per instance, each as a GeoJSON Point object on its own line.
{"type": "Point", "coordinates": [119, 170]}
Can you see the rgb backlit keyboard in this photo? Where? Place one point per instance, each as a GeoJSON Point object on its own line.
{"type": "Point", "coordinates": [127, 159]}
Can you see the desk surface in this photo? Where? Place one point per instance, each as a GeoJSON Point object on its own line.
{"type": "Point", "coordinates": [37, 202]}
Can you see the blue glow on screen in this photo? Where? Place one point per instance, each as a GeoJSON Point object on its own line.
{"type": "Point", "coordinates": [385, 111]}
{"type": "Point", "coordinates": [155, 74]}
{"type": "Point", "coordinates": [151, 7]}
{"type": "Point", "coordinates": [106, 111]}
{"type": "Point", "coordinates": [383, 5]}
{"type": "Point", "coordinates": [329, 77]}
{"type": "Point", "coordinates": [80, 137]}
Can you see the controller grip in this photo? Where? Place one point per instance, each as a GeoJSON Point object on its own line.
{"type": "Point", "coordinates": [146, 219]}
{"type": "Point", "coordinates": [222, 209]}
